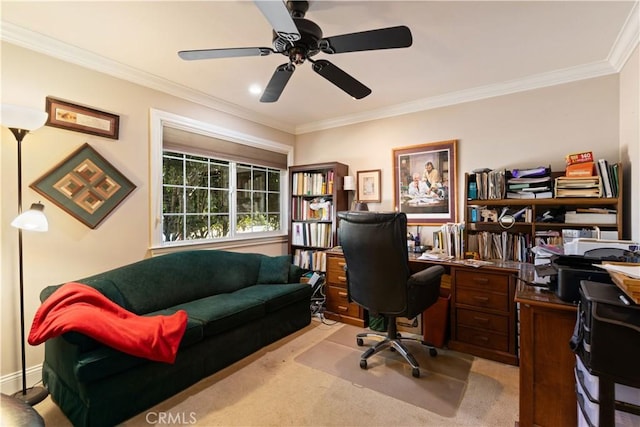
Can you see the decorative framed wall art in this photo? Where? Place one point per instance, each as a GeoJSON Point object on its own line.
{"type": "Point", "coordinates": [424, 182]}
{"type": "Point", "coordinates": [368, 186]}
{"type": "Point", "coordinates": [85, 185]}
{"type": "Point", "coordinates": [65, 115]}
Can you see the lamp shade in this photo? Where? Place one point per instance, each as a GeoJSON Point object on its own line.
{"type": "Point", "coordinates": [32, 220]}
{"type": "Point", "coordinates": [349, 183]}
{"type": "Point", "coordinates": [17, 117]}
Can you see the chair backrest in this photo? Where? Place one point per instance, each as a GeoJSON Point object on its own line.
{"type": "Point", "coordinates": [375, 250]}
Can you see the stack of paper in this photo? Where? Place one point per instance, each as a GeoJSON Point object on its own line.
{"type": "Point", "coordinates": [578, 186]}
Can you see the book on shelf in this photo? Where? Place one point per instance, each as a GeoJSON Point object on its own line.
{"type": "Point", "coordinates": [312, 183]}
{"type": "Point", "coordinates": [609, 175]}
{"type": "Point", "coordinates": [316, 234]}
{"type": "Point", "coordinates": [318, 209]}
{"type": "Point", "coordinates": [310, 259]}
{"type": "Point", "coordinates": [490, 184]}
{"type": "Point", "coordinates": [603, 170]}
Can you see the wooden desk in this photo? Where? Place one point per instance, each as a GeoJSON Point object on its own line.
{"type": "Point", "coordinates": [483, 311]}
{"type": "Point", "coordinates": [547, 381]}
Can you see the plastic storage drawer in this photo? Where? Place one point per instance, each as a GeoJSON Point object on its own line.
{"type": "Point", "coordinates": [590, 384]}
{"type": "Point", "coordinates": [589, 412]}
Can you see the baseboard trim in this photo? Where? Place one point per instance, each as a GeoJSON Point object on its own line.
{"type": "Point", "coordinates": [12, 383]}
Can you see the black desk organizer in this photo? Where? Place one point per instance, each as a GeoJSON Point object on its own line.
{"type": "Point", "coordinates": [607, 341]}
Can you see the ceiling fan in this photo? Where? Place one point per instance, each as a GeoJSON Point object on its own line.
{"type": "Point", "coordinates": [300, 39]}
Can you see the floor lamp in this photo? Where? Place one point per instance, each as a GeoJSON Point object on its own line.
{"type": "Point", "coordinates": [20, 121]}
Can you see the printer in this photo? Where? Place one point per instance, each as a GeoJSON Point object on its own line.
{"type": "Point", "coordinates": [580, 262]}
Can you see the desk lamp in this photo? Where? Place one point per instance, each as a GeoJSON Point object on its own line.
{"type": "Point", "coordinates": [20, 121]}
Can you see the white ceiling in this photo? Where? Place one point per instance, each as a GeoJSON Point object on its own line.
{"type": "Point", "coordinates": [461, 50]}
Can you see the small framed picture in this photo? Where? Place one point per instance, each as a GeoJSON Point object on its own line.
{"type": "Point", "coordinates": [65, 115]}
{"type": "Point", "coordinates": [369, 186]}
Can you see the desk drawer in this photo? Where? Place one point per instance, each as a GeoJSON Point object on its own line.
{"type": "Point", "coordinates": [483, 338]}
{"type": "Point", "coordinates": [491, 300]}
{"type": "Point", "coordinates": [486, 281]}
{"type": "Point", "coordinates": [335, 271]}
{"type": "Point", "coordinates": [481, 320]}
{"type": "Point", "coordinates": [338, 302]}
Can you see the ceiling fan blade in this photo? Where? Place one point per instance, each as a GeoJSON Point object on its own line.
{"type": "Point", "coordinates": [278, 16]}
{"type": "Point", "coordinates": [341, 79]}
{"type": "Point", "coordinates": [190, 55]}
{"type": "Point", "coordinates": [277, 83]}
{"type": "Point", "coordinates": [383, 38]}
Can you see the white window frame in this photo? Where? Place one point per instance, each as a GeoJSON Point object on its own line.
{"type": "Point", "coordinates": [161, 119]}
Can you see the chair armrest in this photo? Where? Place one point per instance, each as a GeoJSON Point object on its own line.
{"type": "Point", "coordinates": [427, 276]}
{"type": "Point", "coordinates": [423, 290]}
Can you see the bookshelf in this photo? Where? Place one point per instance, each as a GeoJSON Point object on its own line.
{"type": "Point", "coordinates": [536, 220]}
{"type": "Point", "coordinates": [316, 196]}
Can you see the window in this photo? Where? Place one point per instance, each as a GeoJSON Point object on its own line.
{"type": "Point", "coordinates": [198, 198]}
{"type": "Point", "coordinates": [211, 185]}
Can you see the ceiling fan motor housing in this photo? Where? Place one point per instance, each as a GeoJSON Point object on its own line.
{"type": "Point", "coordinates": [306, 47]}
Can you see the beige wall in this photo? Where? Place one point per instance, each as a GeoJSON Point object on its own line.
{"type": "Point", "coordinates": [526, 129]}
{"type": "Point", "coordinates": [630, 140]}
{"type": "Point", "coordinates": [532, 128]}
{"type": "Point", "coordinates": [70, 250]}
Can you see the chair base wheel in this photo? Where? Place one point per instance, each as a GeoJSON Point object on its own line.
{"type": "Point", "coordinates": [360, 342]}
{"type": "Point", "coordinates": [363, 363]}
{"type": "Point", "coordinates": [433, 352]}
{"type": "Point", "coordinates": [415, 372]}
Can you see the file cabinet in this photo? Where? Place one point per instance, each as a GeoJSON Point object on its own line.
{"type": "Point", "coordinates": [337, 304]}
{"type": "Point", "coordinates": [483, 314]}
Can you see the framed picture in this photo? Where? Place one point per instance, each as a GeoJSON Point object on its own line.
{"type": "Point", "coordinates": [65, 115]}
{"type": "Point", "coordinates": [424, 180]}
{"type": "Point", "coordinates": [85, 185]}
{"type": "Point", "coordinates": [369, 186]}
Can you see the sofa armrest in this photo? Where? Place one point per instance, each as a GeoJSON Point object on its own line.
{"type": "Point", "coordinates": [108, 289]}
{"type": "Point", "coordinates": [295, 273]}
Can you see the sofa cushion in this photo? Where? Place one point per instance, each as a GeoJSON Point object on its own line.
{"type": "Point", "coordinates": [274, 269]}
{"type": "Point", "coordinates": [220, 313]}
{"type": "Point", "coordinates": [192, 334]}
{"type": "Point", "coordinates": [276, 296]}
{"type": "Point", "coordinates": [106, 361]}
{"type": "Point", "coordinates": [176, 278]}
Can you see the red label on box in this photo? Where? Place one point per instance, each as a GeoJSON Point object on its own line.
{"type": "Point", "coordinates": [584, 157]}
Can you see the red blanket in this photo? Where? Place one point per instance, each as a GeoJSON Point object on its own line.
{"type": "Point", "coordinates": [81, 308]}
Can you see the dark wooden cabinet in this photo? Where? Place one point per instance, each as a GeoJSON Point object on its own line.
{"type": "Point", "coordinates": [483, 313]}
{"type": "Point", "coordinates": [547, 381]}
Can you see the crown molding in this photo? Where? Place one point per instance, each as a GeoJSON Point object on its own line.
{"type": "Point", "coordinates": [537, 81]}
{"type": "Point", "coordinates": [32, 40]}
{"type": "Point", "coordinates": [628, 39]}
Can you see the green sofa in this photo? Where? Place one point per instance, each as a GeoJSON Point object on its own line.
{"type": "Point", "coordinates": [236, 304]}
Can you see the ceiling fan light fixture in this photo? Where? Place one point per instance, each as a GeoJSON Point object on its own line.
{"type": "Point", "coordinates": [255, 89]}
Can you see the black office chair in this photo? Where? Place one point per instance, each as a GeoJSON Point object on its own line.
{"type": "Point", "coordinates": [378, 277]}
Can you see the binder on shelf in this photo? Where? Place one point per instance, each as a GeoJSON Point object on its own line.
{"type": "Point", "coordinates": [603, 167]}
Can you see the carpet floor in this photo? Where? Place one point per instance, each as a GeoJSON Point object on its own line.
{"type": "Point", "coordinates": [270, 388]}
{"type": "Point", "coordinates": [440, 388]}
